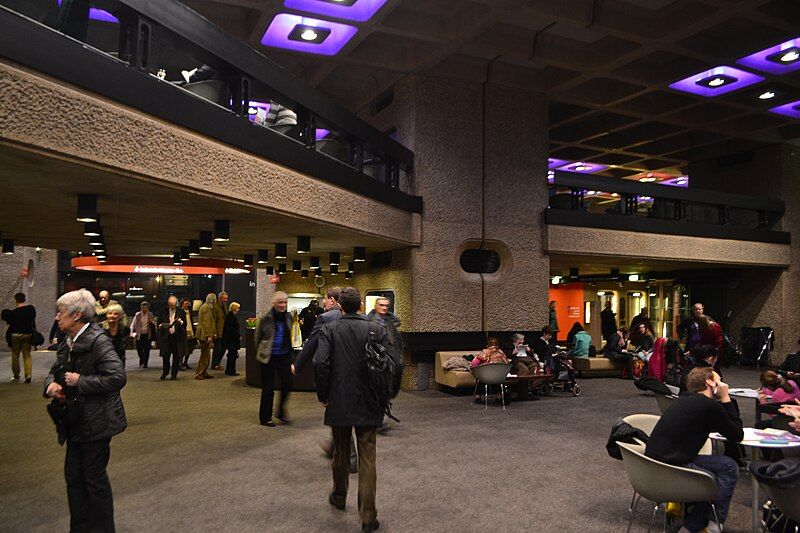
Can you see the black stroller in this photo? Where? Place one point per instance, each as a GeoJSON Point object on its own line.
{"type": "Point", "coordinates": [563, 377]}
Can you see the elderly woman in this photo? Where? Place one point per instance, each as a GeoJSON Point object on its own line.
{"type": "Point", "coordinates": [143, 330]}
{"type": "Point", "coordinates": [87, 376]}
{"type": "Point", "coordinates": [525, 360]}
{"type": "Point", "coordinates": [491, 354]}
{"type": "Point", "coordinates": [205, 335]}
{"type": "Point", "coordinates": [116, 331]}
{"type": "Point", "coordinates": [232, 338]}
{"type": "Point", "coordinates": [186, 305]}
{"type": "Point", "coordinates": [273, 352]}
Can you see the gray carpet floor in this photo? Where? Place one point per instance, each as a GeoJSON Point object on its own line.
{"type": "Point", "coordinates": [194, 458]}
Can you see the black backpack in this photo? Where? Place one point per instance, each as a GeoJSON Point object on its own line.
{"type": "Point", "coordinates": [381, 375]}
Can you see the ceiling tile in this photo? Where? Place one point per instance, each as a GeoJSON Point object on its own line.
{"type": "Point", "coordinates": [656, 103]}
{"type": "Point", "coordinates": [734, 38]}
{"type": "Point", "coordinates": [590, 126]}
{"type": "Point", "coordinates": [660, 67]}
{"type": "Point", "coordinates": [602, 91]}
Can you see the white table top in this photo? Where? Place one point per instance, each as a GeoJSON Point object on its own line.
{"type": "Point", "coordinates": [743, 393]}
{"type": "Point", "coordinates": [753, 437]}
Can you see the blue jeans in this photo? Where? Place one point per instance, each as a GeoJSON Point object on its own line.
{"type": "Point", "coordinates": [725, 472]}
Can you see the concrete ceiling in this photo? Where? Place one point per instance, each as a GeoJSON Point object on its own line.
{"type": "Point", "coordinates": [599, 266]}
{"type": "Point", "coordinates": [605, 65]}
{"type": "Point", "coordinates": [140, 217]}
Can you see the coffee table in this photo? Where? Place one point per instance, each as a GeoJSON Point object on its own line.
{"type": "Point", "coordinates": [526, 382]}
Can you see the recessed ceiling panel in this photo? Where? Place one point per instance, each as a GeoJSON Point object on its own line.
{"type": "Point", "coordinates": [305, 34]}
{"type": "Point", "coordinates": [357, 10]}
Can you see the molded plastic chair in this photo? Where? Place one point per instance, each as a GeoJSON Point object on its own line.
{"type": "Point", "coordinates": [664, 402]}
{"type": "Point", "coordinates": [642, 421]}
{"type": "Point", "coordinates": [660, 482]}
{"type": "Point", "coordinates": [786, 500]}
{"type": "Point", "coordinates": [491, 374]}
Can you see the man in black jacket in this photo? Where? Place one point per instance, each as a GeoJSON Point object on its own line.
{"type": "Point", "coordinates": [332, 313]}
{"type": "Point", "coordinates": [608, 321]}
{"type": "Point", "coordinates": [682, 431]}
{"type": "Point", "coordinates": [616, 349]}
{"type": "Point", "coordinates": [171, 336]}
{"type": "Point", "coordinates": [88, 375]}
{"type": "Point", "coordinates": [341, 387]}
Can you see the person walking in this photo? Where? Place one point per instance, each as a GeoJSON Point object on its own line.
{"type": "Point", "coordinates": [142, 329]}
{"type": "Point", "coordinates": [186, 305]}
{"type": "Point", "coordinates": [21, 323]}
{"type": "Point", "coordinates": [220, 312]}
{"type": "Point", "coordinates": [87, 373]}
{"type": "Point", "coordinates": [381, 316]}
{"type": "Point", "coordinates": [232, 338]}
{"type": "Point", "coordinates": [273, 350]}
{"type": "Point", "coordinates": [101, 306]}
{"type": "Point", "coordinates": [339, 376]}
{"type": "Point", "coordinates": [118, 333]}
{"type": "Point", "coordinates": [206, 331]}
{"type": "Point", "coordinates": [171, 337]}
{"type": "Point", "coordinates": [330, 302]}
{"type": "Point", "coordinates": [308, 317]}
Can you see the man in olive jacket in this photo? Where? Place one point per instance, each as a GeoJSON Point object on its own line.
{"type": "Point", "coordinates": [205, 335]}
{"type": "Point", "coordinates": [339, 378]}
{"type": "Point", "coordinates": [220, 312]}
{"type": "Point", "coordinates": [87, 376]}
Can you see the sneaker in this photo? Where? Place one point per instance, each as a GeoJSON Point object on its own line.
{"type": "Point", "coordinates": [15, 378]}
{"type": "Point", "coordinates": [27, 380]}
{"type": "Point", "coordinates": [269, 424]}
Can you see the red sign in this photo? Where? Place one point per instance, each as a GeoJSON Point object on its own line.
{"type": "Point", "coordinates": [274, 279]}
{"type": "Point", "coordinates": [158, 265]}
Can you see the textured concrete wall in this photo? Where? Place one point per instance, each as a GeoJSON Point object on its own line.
{"type": "Point", "coordinates": [40, 113]}
{"type": "Point", "coordinates": [40, 286]}
{"type": "Point", "coordinates": [764, 297]}
{"type": "Point", "coordinates": [615, 243]}
{"type": "Point", "coordinates": [441, 121]}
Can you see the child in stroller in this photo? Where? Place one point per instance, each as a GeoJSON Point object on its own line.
{"type": "Point", "coordinates": [563, 377]}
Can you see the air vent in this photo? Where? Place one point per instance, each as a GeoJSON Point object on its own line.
{"type": "Point", "coordinates": [480, 261]}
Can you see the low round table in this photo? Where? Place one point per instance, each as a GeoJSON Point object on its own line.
{"type": "Point", "coordinates": [752, 439]}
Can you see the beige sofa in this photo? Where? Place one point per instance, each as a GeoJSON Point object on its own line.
{"type": "Point", "coordinates": [453, 378]}
{"type": "Point", "coordinates": [587, 367]}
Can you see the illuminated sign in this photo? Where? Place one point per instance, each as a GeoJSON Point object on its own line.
{"type": "Point", "coordinates": [159, 266]}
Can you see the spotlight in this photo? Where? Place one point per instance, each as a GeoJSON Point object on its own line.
{"type": "Point", "coordinates": [351, 266]}
{"type": "Point", "coordinates": [766, 95]}
{"type": "Point", "coordinates": [96, 240]}
{"type": "Point", "coordinates": [92, 229]}
{"type": "Point", "coordinates": [8, 246]}
{"type": "Point", "coordinates": [176, 259]}
{"type": "Point", "coordinates": [785, 57]}
{"type": "Point", "coordinates": [314, 263]}
{"type": "Point", "coordinates": [348, 275]}
{"type": "Point", "coordinates": [184, 253]}
{"type": "Point", "coordinates": [248, 260]}
{"type": "Point", "coordinates": [304, 273]}
{"type": "Point", "coordinates": [270, 271]}
{"type": "Point", "coordinates": [633, 277]}
{"type": "Point", "coordinates": [334, 258]}
{"type": "Point", "coordinates": [263, 257]}
{"type": "Point", "coordinates": [716, 80]}
{"type": "Point", "coordinates": [280, 250]}
{"type": "Point", "coordinates": [206, 238]}
{"type": "Point", "coordinates": [194, 247]}
{"type": "Point", "coordinates": [222, 231]}
{"type": "Point", "coordinates": [303, 244]}
{"type": "Point", "coordinates": [296, 266]}
{"type": "Point", "coordinates": [282, 268]}
{"type": "Point", "coordinates": [309, 34]}
{"type": "Point", "coordinates": [359, 254]}
{"type": "Point", "coordinates": [334, 270]}
{"type": "Point", "coordinates": [555, 280]}
{"type": "Point", "coordinates": [87, 208]}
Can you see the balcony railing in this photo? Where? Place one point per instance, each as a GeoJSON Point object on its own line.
{"type": "Point", "coordinates": [136, 62]}
{"type": "Point", "coordinates": [607, 203]}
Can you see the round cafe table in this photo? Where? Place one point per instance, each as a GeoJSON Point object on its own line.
{"type": "Point", "coordinates": [756, 439]}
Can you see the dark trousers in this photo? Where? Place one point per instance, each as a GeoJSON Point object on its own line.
{"type": "Point", "coordinates": [172, 352]}
{"type": "Point", "coordinates": [282, 365]}
{"type": "Point", "coordinates": [91, 503]}
{"type": "Point", "coordinates": [367, 474]}
{"type": "Point", "coordinates": [219, 351]}
{"type": "Point", "coordinates": [143, 349]}
{"type": "Point", "coordinates": [624, 357]}
{"type": "Point", "coordinates": [725, 473]}
{"type": "Point", "coordinates": [232, 355]}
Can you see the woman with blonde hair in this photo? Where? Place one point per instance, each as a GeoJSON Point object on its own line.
{"type": "Point", "coordinates": [118, 333]}
{"type": "Point", "coordinates": [273, 352]}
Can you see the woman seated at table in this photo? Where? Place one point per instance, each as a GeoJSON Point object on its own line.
{"type": "Point", "coordinates": [491, 354]}
{"type": "Point", "coordinates": [777, 389]}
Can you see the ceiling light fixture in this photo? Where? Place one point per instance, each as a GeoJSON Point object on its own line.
{"type": "Point", "coordinates": [647, 179]}
{"type": "Point", "coordinates": [92, 229]}
{"type": "Point", "coordinates": [8, 246]}
{"type": "Point", "coordinates": [334, 270]}
{"type": "Point", "coordinates": [314, 263]}
{"type": "Point", "coordinates": [333, 258]}
{"type": "Point", "coordinates": [351, 266]}
{"type": "Point", "coordinates": [206, 239]}
{"type": "Point", "coordinates": [766, 95]}
{"type": "Point", "coordinates": [779, 59]}
{"type": "Point", "coordinates": [358, 10]}
{"type": "Point", "coordinates": [792, 109]}
{"type": "Point", "coordinates": [97, 240]}
{"type": "Point", "coordinates": [296, 266]}
{"type": "Point", "coordinates": [87, 208]}
{"type": "Point", "coordinates": [309, 34]}
{"type": "Point", "coordinates": [222, 230]}
{"type": "Point", "coordinates": [248, 260]}
{"type": "Point", "coordinates": [716, 81]}
{"type": "Point", "coordinates": [359, 254]}
{"type": "Point", "coordinates": [282, 268]}
{"type": "Point", "coordinates": [305, 34]}
{"type": "Point", "coordinates": [176, 259]}
{"type": "Point", "coordinates": [348, 275]}
{"type": "Point", "coordinates": [280, 250]}
{"type": "Point", "coordinates": [263, 257]}
{"type": "Point", "coordinates": [270, 271]}
{"type": "Point", "coordinates": [194, 247]}
{"type": "Point", "coordinates": [304, 274]}
{"type": "Point", "coordinates": [785, 57]}
{"type": "Point", "coordinates": [303, 244]}
{"type": "Point", "coordinates": [184, 253]}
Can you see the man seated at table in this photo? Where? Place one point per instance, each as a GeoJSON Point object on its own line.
{"type": "Point", "coordinates": [616, 350]}
{"type": "Point", "coordinates": [683, 430]}
{"type": "Point", "coordinates": [544, 348]}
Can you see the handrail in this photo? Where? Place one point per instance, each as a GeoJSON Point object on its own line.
{"type": "Point", "coordinates": [600, 183]}
{"type": "Point", "coordinates": [198, 30]}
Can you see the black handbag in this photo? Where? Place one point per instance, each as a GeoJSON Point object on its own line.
{"type": "Point", "coordinates": [37, 339]}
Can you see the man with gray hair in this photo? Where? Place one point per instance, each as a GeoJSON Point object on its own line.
{"type": "Point", "coordinates": [220, 312]}
{"type": "Point", "coordinates": [84, 384]}
{"type": "Point", "coordinates": [171, 335]}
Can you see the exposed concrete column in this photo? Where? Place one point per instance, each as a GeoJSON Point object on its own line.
{"type": "Point", "coordinates": [481, 182]}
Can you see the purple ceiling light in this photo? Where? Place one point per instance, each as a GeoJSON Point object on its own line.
{"type": "Point", "coordinates": [779, 59]}
{"type": "Point", "coordinates": [357, 10]}
{"type": "Point", "coordinates": [553, 163]}
{"type": "Point", "coordinates": [716, 81]}
{"type": "Point", "coordinates": [792, 109]}
{"type": "Point", "coordinates": [304, 34]}
{"type": "Point", "coordinates": [320, 134]}
{"type": "Point", "coordinates": [99, 14]}
{"type": "Point", "coordinates": [680, 181]}
{"type": "Point", "coordinates": [583, 167]}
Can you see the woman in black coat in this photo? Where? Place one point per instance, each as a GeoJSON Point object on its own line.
{"type": "Point", "coordinates": [86, 379]}
{"type": "Point", "coordinates": [118, 333]}
{"type": "Point", "coordinates": [231, 338]}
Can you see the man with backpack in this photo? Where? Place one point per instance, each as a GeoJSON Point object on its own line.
{"type": "Point", "coordinates": [348, 384]}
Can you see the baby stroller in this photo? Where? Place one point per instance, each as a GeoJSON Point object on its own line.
{"type": "Point", "coordinates": [563, 377]}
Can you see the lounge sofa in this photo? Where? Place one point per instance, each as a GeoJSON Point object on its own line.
{"type": "Point", "coordinates": [596, 366]}
{"type": "Point", "coordinates": [454, 379]}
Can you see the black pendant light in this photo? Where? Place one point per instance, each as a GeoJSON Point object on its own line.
{"type": "Point", "coordinates": [97, 239]}
{"type": "Point", "coordinates": [303, 244]}
{"type": "Point", "coordinates": [282, 268]}
{"type": "Point", "coordinates": [304, 274]}
{"type": "Point", "coordinates": [351, 266]}
{"type": "Point", "coordinates": [314, 263]}
{"type": "Point", "coordinates": [280, 250]}
{"type": "Point", "coordinates": [263, 257]}
{"type": "Point", "coordinates": [92, 229]}
{"type": "Point", "coordinates": [296, 266]}
{"type": "Point", "coordinates": [194, 247]}
{"type": "Point", "coordinates": [184, 253]}
{"type": "Point", "coordinates": [222, 231]}
{"type": "Point", "coordinates": [87, 208]}
{"type": "Point", "coordinates": [206, 238]}
{"type": "Point", "coordinates": [359, 253]}
{"type": "Point", "coordinates": [8, 246]}
{"type": "Point", "coordinates": [348, 275]}
{"type": "Point", "coordinates": [334, 270]}
{"type": "Point", "coordinates": [248, 260]}
{"type": "Point", "coordinates": [334, 258]}
{"type": "Point", "coordinates": [176, 258]}
{"type": "Point", "coordinates": [270, 271]}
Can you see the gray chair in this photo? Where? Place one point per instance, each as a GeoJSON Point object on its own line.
{"type": "Point", "coordinates": [660, 482]}
{"type": "Point", "coordinates": [786, 500]}
{"type": "Point", "coordinates": [491, 374]}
